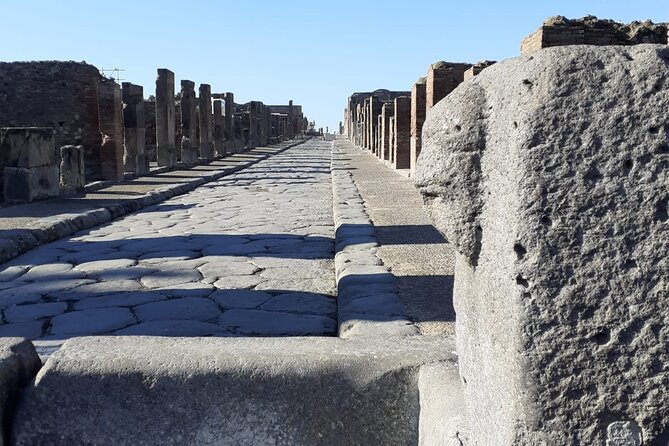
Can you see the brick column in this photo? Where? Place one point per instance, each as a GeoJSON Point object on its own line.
{"type": "Point", "coordinates": [206, 130]}
{"type": "Point", "coordinates": [189, 122]}
{"type": "Point", "coordinates": [387, 113]}
{"type": "Point", "coordinates": [417, 119]}
{"type": "Point", "coordinates": [110, 105]}
{"type": "Point", "coordinates": [165, 119]}
{"type": "Point", "coordinates": [219, 128]}
{"type": "Point", "coordinates": [228, 130]}
{"type": "Point", "coordinates": [442, 78]}
{"type": "Point", "coordinates": [134, 131]}
{"type": "Point", "coordinates": [402, 147]}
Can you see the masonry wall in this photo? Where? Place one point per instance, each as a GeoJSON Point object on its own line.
{"type": "Point", "coordinates": [442, 78]}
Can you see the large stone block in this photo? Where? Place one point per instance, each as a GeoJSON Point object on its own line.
{"type": "Point", "coordinates": [206, 123]}
{"type": "Point", "coordinates": [18, 365]}
{"type": "Point", "coordinates": [442, 78]}
{"type": "Point", "coordinates": [134, 135]}
{"type": "Point", "coordinates": [27, 147]}
{"type": "Point", "coordinates": [22, 184]}
{"type": "Point", "coordinates": [72, 167]}
{"type": "Point", "coordinates": [418, 110]}
{"type": "Point", "coordinates": [189, 142]}
{"type": "Point", "coordinates": [166, 151]}
{"type": "Point", "coordinates": [219, 128]}
{"type": "Point", "coordinates": [548, 173]}
{"type": "Point", "coordinates": [229, 119]}
{"type": "Point", "coordinates": [402, 133]}
{"type": "Point", "coordinates": [111, 127]}
{"type": "Point", "coordinates": [208, 391]}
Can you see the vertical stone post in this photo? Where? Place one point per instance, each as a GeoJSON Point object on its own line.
{"type": "Point", "coordinates": [252, 116]}
{"type": "Point", "coordinates": [134, 130]}
{"type": "Point", "coordinates": [165, 119]}
{"type": "Point", "coordinates": [189, 142]}
{"type": "Point", "coordinates": [418, 110]}
{"type": "Point", "coordinates": [206, 130]}
{"type": "Point", "coordinates": [391, 138]}
{"type": "Point", "coordinates": [442, 78]}
{"type": "Point", "coordinates": [228, 130]}
{"type": "Point", "coordinates": [219, 128]}
{"type": "Point", "coordinates": [402, 147]}
{"type": "Point", "coordinates": [377, 141]}
{"type": "Point", "coordinates": [290, 120]}
{"type": "Point", "coordinates": [110, 106]}
{"type": "Point", "coordinates": [365, 123]}
{"type": "Point", "coordinates": [72, 169]}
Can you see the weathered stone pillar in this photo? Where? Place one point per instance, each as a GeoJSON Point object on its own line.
{"type": "Point", "coordinates": [111, 128]}
{"type": "Point", "coordinates": [291, 118]}
{"type": "Point", "coordinates": [72, 168]}
{"type": "Point", "coordinates": [219, 128]}
{"type": "Point", "coordinates": [378, 132]}
{"type": "Point", "coordinates": [559, 215]}
{"type": "Point", "coordinates": [228, 129]}
{"type": "Point", "coordinates": [165, 119]}
{"type": "Point", "coordinates": [391, 138]}
{"type": "Point", "coordinates": [387, 113]}
{"type": "Point", "coordinates": [442, 78]}
{"type": "Point", "coordinates": [134, 130]}
{"type": "Point", "coordinates": [28, 164]}
{"type": "Point", "coordinates": [189, 142]}
{"type": "Point", "coordinates": [418, 110]}
{"type": "Point", "coordinates": [206, 123]}
{"type": "Point", "coordinates": [477, 68]}
{"type": "Point", "coordinates": [402, 133]}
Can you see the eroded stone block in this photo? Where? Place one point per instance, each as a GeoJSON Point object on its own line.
{"type": "Point", "coordinates": [134, 136]}
{"type": "Point", "coordinates": [165, 119]}
{"type": "Point", "coordinates": [189, 142]}
{"type": "Point", "coordinates": [23, 184]}
{"type": "Point", "coordinates": [206, 123]}
{"type": "Point", "coordinates": [559, 217]}
{"type": "Point", "coordinates": [72, 167]}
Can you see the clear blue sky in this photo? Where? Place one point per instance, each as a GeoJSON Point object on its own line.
{"type": "Point", "coordinates": [315, 53]}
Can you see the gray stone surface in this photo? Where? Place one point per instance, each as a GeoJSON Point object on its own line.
{"type": "Point", "coordinates": [256, 322]}
{"type": "Point", "coordinates": [18, 365]}
{"type": "Point", "coordinates": [94, 321]}
{"type": "Point", "coordinates": [192, 308]}
{"type": "Point", "coordinates": [229, 391]}
{"type": "Point", "coordinates": [559, 217]}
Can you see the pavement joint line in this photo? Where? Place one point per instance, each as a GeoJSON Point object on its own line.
{"type": "Point", "coordinates": [19, 241]}
{"type": "Point", "coordinates": [367, 293]}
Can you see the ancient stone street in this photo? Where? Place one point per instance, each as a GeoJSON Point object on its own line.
{"type": "Point", "coordinates": [249, 254]}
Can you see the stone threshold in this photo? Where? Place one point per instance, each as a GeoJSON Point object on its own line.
{"type": "Point", "coordinates": [112, 201]}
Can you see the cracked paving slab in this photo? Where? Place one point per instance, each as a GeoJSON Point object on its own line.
{"type": "Point", "coordinates": [248, 255]}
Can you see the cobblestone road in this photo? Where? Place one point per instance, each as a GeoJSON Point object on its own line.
{"type": "Point", "coordinates": [250, 254]}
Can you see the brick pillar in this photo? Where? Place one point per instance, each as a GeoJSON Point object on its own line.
{"type": "Point", "coordinates": [165, 119]}
{"type": "Point", "coordinates": [228, 130]}
{"type": "Point", "coordinates": [365, 124]}
{"type": "Point", "coordinates": [391, 138]}
{"type": "Point", "coordinates": [290, 120]}
{"type": "Point", "coordinates": [417, 119]}
{"type": "Point", "coordinates": [402, 147]}
{"type": "Point", "coordinates": [442, 78]}
{"type": "Point", "coordinates": [206, 130]}
{"type": "Point", "coordinates": [189, 143]}
{"type": "Point", "coordinates": [253, 114]}
{"type": "Point", "coordinates": [110, 106]}
{"type": "Point", "coordinates": [219, 128]}
{"type": "Point", "coordinates": [379, 124]}
{"type": "Point", "coordinates": [387, 112]}
{"type": "Point", "coordinates": [134, 131]}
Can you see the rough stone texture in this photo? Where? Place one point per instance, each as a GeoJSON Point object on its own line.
{"type": "Point", "coordinates": [402, 133]}
{"type": "Point", "coordinates": [206, 391]}
{"type": "Point", "coordinates": [134, 156]}
{"type": "Point", "coordinates": [60, 95]}
{"type": "Point", "coordinates": [18, 365]}
{"type": "Point", "coordinates": [189, 143]}
{"type": "Point", "coordinates": [28, 184]}
{"type": "Point", "coordinates": [559, 216]}
{"type": "Point", "coordinates": [150, 129]}
{"type": "Point", "coordinates": [165, 119]}
{"type": "Point", "coordinates": [477, 68]}
{"type": "Point", "coordinates": [219, 128]}
{"type": "Point", "coordinates": [229, 120]}
{"type": "Point", "coordinates": [110, 105]}
{"type": "Point", "coordinates": [72, 167]}
{"type": "Point", "coordinates": [442, 78]}
{"type": "Point", "coordinates": [589, 30]}
{"type": "Point", "coordinates": [387, 112]}
{"type": "Point", "coordinates": [206, 123]}
{"type": "Point", "coordinates": [417, 118]}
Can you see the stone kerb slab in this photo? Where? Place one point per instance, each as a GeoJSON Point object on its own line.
{"type": "Point", "coordinates": [206, 391]}
{"type": "Point", "coordinates": [165, 119]}
{"type": "Point", "coordinates": [559, 217]}
{"type": "Point", "coordinates": [28, 164]}
{"type": "Point", "coordinates": [19, 363]}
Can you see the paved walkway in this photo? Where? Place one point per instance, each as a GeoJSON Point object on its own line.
{"type": "Point", "coordinates": [249, 254]}
{"type": "Point", "coordinates": [418, 255]}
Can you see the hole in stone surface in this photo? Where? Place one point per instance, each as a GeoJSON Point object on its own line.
{"type": "Point", "coordinates": [519, 250]}
{"type": "Point", "coordinates": [603, 337]}
{"type": "Point", "coordinates": [458, 128]}
{"type": "Point", "coordinates": [629, 264]}
{"type": "Point", "coordinates": [527, 82]}
{"type": "Point", "coordinates": [589, 313]}
{"type": "Point", "coordinates": [515, 125]}
{"type": "Point", "coordinates": [478, 238]}
{"type": "Point", "coordinates": [644, 159]}
{"type": "Point", "coordinates": [663, 148]}
{"type": "Point", "coordinates": [627, 165]}
{"type": "Point", "coordinates": [520, 280]}
{"type": "Point", "coordinates": [654, 130]}
{"type": "Point", "coordinates": [661, 213]}
{"type": "Point", "coordinates": [546, 220]}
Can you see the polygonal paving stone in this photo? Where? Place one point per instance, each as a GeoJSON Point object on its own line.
{"type": "Point", "coordinates": [192, 289]}
{"type": "Point", "coordinates": [48, 271]}
{"type": "Point", "coordinates": [194, 308]}
{"type": "Point", "coordinates": [222, 269]}
{"type": "Point", "coordinates": [96, 289]}
{"type": "Point", "coordinates": [132, 273]}
{"type": "Point", "coordinates": [29, 330]}
{"type": "Point", "coordinates": [274, 323]}
{"type": "Point", "coordinates": [173, 328]}
{"type": "Point", "coordinates": [238, 282]}
{"type": "Point", "coordinates": [163, 279]}
{"type": "Point", "coordinates": [23, 313]}
{"type": "Point", "coordinates": [102, 265]}
{"type": "Point", "coordinates": [91, 322]}
{"type": "Point", "coordinates": [11, 273]}
{"type": "Point", "coordinates": [301, 303]}
{"type": "Point", "coordinates": [130, 299]}
{"type": "Point", "coordinates": [240, 298]}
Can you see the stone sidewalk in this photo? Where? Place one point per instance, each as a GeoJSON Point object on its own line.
{"type": "Point", "coordinates": [249, 254]}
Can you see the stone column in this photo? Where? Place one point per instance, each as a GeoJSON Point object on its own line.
{"type": "Point", "coordinates": [110, 105]}
{"type": "Point", "coordinates": [377, 141]}
{"type": "Point", "coordinates": [72, 169]}
{"type": "Point", "coordinates": [402, 133]}
{"type": "Point", "coordinates": [165, 119]}
{"type": "Point", "coordinates": [228, 130]}
{"type": "Point", "coordinates": [219, 128]}
{"type": "Point", "coordinates": [442, 78]}
{"type": "Point", "coordinates": [134, 131]}
{"type": "Point", "coordinates": [206, 127]}
{"type": "Point", "coordinates": [28, 164]}
{"type": "Point", "coordinates": [189, 122]}
{"type": "Point", "coordinates": [418, 110]}
{"type": "Point", "coordinates": [391, 138]}
{"type": "Point", "coordinates": [291, 132]}
{"type": "Point", "coordinates": [561, 233]}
